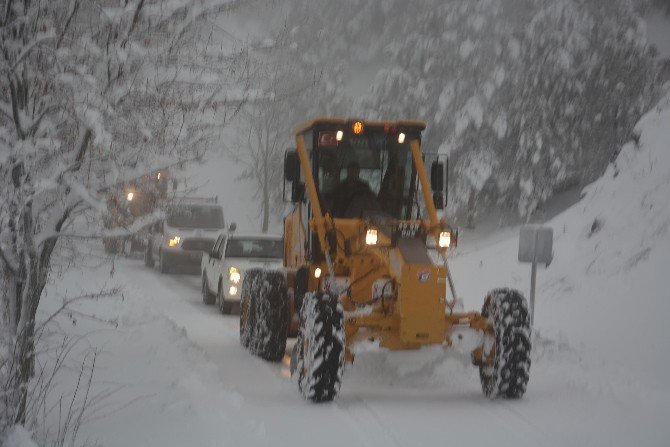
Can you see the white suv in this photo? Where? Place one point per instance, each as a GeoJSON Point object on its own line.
{"type": "Point", "coordinates": [224, 266]}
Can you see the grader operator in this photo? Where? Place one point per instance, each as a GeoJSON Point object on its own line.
{"type": "Point", "coordinates": [358, 268]}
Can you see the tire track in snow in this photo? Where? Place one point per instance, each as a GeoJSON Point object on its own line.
{"type": "Point", "coordinates": [372, 429]}
{"type": "Point", "coordinates": [366, 424]}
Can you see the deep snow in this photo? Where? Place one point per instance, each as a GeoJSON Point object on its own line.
{"type": "Point", "coordinates": [176, 375]}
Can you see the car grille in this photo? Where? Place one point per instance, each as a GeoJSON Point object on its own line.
{"type": "Point", "coordinates": [197, 244]}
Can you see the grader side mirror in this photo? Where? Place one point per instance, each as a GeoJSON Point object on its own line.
{"type": "Point", "coordinates": [291, 166]}
{"type": "Point", "coordinates": [437, 176]}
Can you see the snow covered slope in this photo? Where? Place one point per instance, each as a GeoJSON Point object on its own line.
{"type": "Point", "coordinates": [603, 305]}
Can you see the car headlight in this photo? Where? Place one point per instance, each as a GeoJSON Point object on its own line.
{"type": "Point", "coordinates": [445, 239]}
{"type": "Point", "coordinates": [371, 236]}
{"type": "Point", "coordinates": [234, 275]}
{"type": "Point", "coordinates": [174, 241]}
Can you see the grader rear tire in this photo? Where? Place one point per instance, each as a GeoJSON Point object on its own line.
{"type": "Point", "coordinates": [247, 307]}
{"type": "Point", "coordinates": [507, 311]}
{"type": "Point", "coordinates": [269, 292]}
{"type": "Point", "coordinates": [319, 354]}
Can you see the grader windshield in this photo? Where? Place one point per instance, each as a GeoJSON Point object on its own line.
{"type": "Point", "coordinates": [370, 173]}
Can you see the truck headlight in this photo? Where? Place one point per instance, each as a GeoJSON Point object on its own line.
{"type": "Point", "coordinates": [234, 275]}
{"type": "Point", "coordinates": [232, 291]}
{"type": "Point", "coordinates": [174, 241]}
{"type": "Point", "coordinates": [371, 236]}
{"type": "Point", "coordinates": [130, 196]}
{"type": "Point", "coordinates": [445, 239]}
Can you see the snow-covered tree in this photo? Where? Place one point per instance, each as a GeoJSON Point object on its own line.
{"type": "Point", "coordinates": [584, 78]}
{"type": "Point", "coordinates": [525, 96]}
{"type": "Point", "coordinates": [92, 94]}
{"type": "Point", "coordinates": [293, 81]}
{"type": "Point", "coordinates": [265, 121]}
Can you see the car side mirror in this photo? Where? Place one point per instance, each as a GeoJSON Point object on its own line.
{"type": "Point", "coordinates": [298, 192]}
{"type": "Point", "coordinates": [291, 166]}
{"type": "Point", "coordinates": [232, 227]}
{"type": "Point", "coordinates": [437, 176]}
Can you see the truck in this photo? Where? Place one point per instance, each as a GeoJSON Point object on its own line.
{"type": "Point", "coordinates": [190, 227]}
{"type": "Point", "coordinates": [357, 264]}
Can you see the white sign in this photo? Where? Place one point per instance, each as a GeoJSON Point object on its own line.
{"type": "Point", "coordinates": [536, 244]}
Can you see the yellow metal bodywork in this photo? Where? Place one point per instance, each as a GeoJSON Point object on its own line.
{"type": "Point", "coordinates": [417, 314]}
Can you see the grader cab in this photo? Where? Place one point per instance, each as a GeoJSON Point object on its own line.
{"type": "Point", "coordinates": [365, 259]}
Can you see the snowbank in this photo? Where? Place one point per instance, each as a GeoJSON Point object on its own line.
{"type": "Point", "coordinates": [603, 305]}
{"type": "Point", "coordinates": [151, 385]}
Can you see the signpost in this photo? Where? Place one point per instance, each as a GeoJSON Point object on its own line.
{"type": "Point", "coordinates": [536, 247]}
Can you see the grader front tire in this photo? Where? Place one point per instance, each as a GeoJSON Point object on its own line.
{"type": "Point", "coordinates": [270, 330]}
{"type": "Point", "coordinates": [319, 355]}
{"type": "Point", "coordinates": [507, 377]}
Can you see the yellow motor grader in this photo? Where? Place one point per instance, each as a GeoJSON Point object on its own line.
{"type": "Point", "coordinates": [365, 260]}
{"type": "Point", "coordinates": [129, 202]}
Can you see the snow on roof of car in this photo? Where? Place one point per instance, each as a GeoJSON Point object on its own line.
{"type": "Point", "coordinates": [260, 236]}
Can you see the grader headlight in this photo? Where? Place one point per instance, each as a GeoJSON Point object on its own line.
{"type": "Point", "coordinates": [445, 239]}
{"type": "Point", "coordinates": [371, 236]}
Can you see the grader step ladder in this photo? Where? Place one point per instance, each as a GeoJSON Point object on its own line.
{"type": "Point", "coordinates": [358, 267]}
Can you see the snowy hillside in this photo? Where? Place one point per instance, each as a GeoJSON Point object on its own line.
{"type": "Point", "coordinates": [611, 254]}
{"type": "Point", "coordinates": [604, 303]}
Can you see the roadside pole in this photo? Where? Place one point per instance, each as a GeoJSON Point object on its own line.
{"type": "Point", "coordinates": [535, 246]}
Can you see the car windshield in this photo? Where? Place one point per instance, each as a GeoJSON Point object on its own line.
{"type": "Point", "coordinates": [371, 173]}
{"type": "Point", "coordinates": [255, 248]}
{"type": "Point", "coordinates": [195, 216]}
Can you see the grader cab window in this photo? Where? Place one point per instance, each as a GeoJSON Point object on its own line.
{"type": "Point", "coordinates": [365, 174]}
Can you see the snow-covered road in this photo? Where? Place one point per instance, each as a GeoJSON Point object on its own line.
{"type": "Point", "coordinates": [417, 398]}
